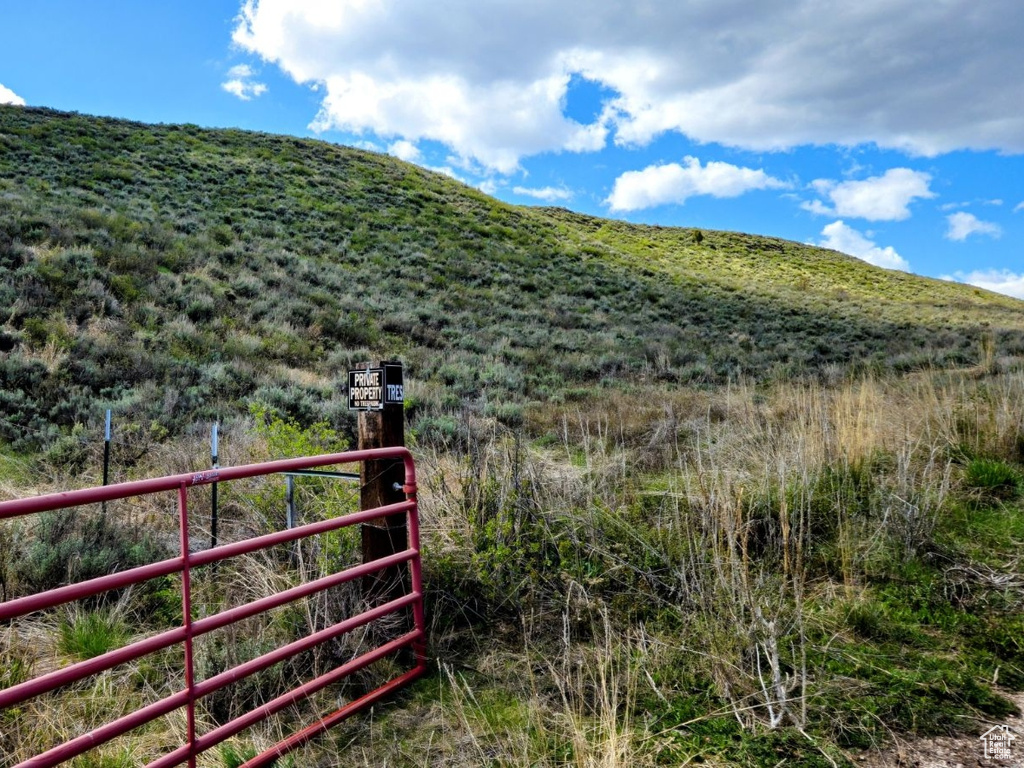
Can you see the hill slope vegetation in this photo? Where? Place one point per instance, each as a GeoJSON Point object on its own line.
{"type": "Point", "coordinates": [176, 274]}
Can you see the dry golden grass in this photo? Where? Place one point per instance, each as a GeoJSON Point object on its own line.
{"type": "Point", "coordinates": [713, 469]}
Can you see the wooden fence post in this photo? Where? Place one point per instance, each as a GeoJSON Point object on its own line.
{"type": "Point", "coordinates": [381, 483]}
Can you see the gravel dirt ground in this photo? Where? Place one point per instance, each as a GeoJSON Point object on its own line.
{"type": "Point", "coordinates": [951, 752]}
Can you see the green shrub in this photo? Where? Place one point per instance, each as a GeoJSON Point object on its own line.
{"type": "Point", "coordinates": [442, 431]}
{"type": "Point", "coordinates": [69, 546]}
{"type": "Point", "coordinates": [286, 438]}
{"type": "Point", "coordinates": [69, 452]}
{"type": "Point", "coordinates": [222, 235]}
{"type": "Point", "coordinates": [508, 414]}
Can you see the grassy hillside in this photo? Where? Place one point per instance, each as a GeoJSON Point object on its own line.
{"type": "Point", "coordinates": [175, 274]}
{"type": "Point", "coordinates": [688, 497]}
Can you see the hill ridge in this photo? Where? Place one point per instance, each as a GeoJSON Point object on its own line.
{"type": "Point", "coordinates": [177, 273]}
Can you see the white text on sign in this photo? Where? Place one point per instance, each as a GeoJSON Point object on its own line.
{"type": "Point", "coordinates": [366, 387]}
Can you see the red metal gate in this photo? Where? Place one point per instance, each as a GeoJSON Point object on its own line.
{"type": "Point", "coordinates": [182, 565]}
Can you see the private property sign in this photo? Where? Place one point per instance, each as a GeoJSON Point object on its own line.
{"type": "Point", "coordinates": [366, 390]}
{"type": "Point", "coordinates": [370, 389]}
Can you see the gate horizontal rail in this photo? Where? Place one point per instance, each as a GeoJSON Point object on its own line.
{"type": "Point", "coordinates": [182, 565]}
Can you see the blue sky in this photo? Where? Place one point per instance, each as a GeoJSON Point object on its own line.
{"type": "Point", "coordinates": [888, 129]}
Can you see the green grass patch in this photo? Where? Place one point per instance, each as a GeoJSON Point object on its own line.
{"type": "Point", "coordinates": [87, 634]}
{"type": "Point", "coordinates": [993, 477]}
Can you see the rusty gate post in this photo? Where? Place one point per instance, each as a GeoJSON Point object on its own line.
{"type": "Point", "coordinates": [381, 483]}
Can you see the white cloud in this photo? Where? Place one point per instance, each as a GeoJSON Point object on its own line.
{"type": "Point", "coordinates": [491, 80]}
{"type": "Point", "coordinates": [998, 280]}
{"type": "Point", "coordinates": [495, 125]}
{"type": "Point", "coordinates": [953, 206]}
{"type": "Point", "coordinates": [879, 198]}
{"type": "Point", "coordinates": [962, 225]}
{"type": "Point", "coordinates": [818, 208]}
{"type": "Point", "coordinates": [845, 239]}
{"type": "Point", "coordinates": [547, 194]}
{"type": "Point", "coordinates": [244, 90]}
{"type": "Point", "coordinates": [1018, 207]}
{"type": "Point", "coordinates": [7, 96]}
{"type": "Point", "coordinates": [405, 150]}
{"type": "Point", "coordinates": [674, 183]}
{"type": "Point", "coordinates": [240, 83]}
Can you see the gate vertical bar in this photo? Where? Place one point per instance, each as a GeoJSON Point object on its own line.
{"type": "Point", "coordinates": [186, 616]}
{"type": "Point", "coordinates": [416, 577]}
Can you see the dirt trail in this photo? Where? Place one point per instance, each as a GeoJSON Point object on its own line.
{"type": "Point", "coordinates": [951, 752]}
